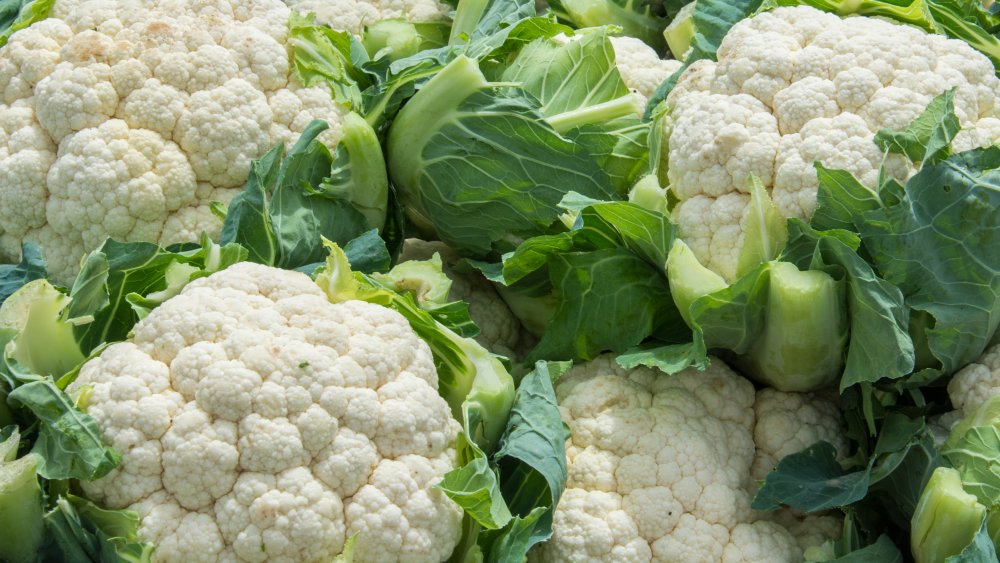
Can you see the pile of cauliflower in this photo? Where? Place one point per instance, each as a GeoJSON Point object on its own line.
{"type": "Point", "coordinates": [663, 468]}
{"type": "Point", "coordinates": [127, 119]}
{"type": "Point", "coordinates": [259, 422]}
{"type": "Point", "coordinates": [793, 86]}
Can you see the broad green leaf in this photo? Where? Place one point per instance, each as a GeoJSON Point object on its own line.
{"type": "Point", "coordinates": [476, 488]}
{"type": "Point", "coordinates": [928, 138]}
{"type": "Point", "coordinates": [320, 55]}
{"type": "Point", "coordinates": [532, 457]}
{"type": "Point", "coordinates": [671, 358]}
{"type": "Point", "coordinates": [68, 445]}
{"type": "Point", "coordinates": [643, 19]}
{"type": "Point", "coordinates": [840, 197]}
{"type": "Point", "coordinates": [938, 246]}
{"type": "Point", "coordinates": [882, 551]}
{"type": "Point", "coordinates": [31, 267]}
{"type": "Point", "coordinates": [979, 550]}
{"type": "Point", "coordinates": [977, 458]}
{"type": "Point", "coordinates": [879, 345]}
{"type": "Point", "coordinates": [611, 287]}
{"type": "Point", "coordinates": [290, 204]}
{"type": "Point", "coordinates": [811, 480]}
{"type": "Point", "coordinates": [475, 167]}
{"type": "Point", "coordinates": [121, 273]}
{"type": "Point", "coordinates": [572, 80]}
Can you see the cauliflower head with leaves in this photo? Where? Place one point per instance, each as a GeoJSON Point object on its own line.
{"type": "Point", "coordinates": [259, 422]}
{"type": "Point", "coordinates": [794, 86]}
{"type": "Point", "coordinates": [127, 119]}
{"type": "Point", "coordinates": [660, 467]}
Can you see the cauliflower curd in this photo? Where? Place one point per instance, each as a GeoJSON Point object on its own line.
{"type": "Point", "coordinates": [259, 422]}
{"type": "Point", "coordinates": [663, 468]}
{"type": "Point", "coordinates": [794, 86]}
{"type": "Point", "coordinates": [127, 119]}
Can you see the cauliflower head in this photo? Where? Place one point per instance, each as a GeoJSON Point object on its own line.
{"type": "Point", "coordinates": [259, 422]}
{"type": "Point", "coordinates": [353, 15]}
{"type": "Point", "coordinates": [660, 469]}
{"type": "Point", "coordinates": [500, 331]}
{"type": "Point", "coordinates": [794, 86]}
{"type": "Point", "coordinates": [127, 119]}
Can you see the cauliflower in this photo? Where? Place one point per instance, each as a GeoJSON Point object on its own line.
{"type": "Point", "coordinates": [977, 382]}
{"type": "Point", "coordinates": [127, 119]}
{"type": "Point", "coordinates": [353, 15]}
{"type": "Point", "coordinates": [500, 331]}
{"type": "Point", "coordinates": [641, 68]}
{"type": "Point", "coordinates": [660, 467]}
{"type": "Point", "coordinates": [258, 421]}
{"type": "Point", "coordinates": [793, 86]}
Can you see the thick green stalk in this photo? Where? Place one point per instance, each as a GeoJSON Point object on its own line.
{"type": "Point", "coordinates": [21, 525]}
{"type": "Point", "coordinates": [946, 518]}
{"type": "Point", "coordinates": [805, 330]}
{"type": "Point", "coordinates": [598, 113]}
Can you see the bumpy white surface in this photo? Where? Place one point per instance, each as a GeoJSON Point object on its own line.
{"type": "Point", "coordinates": [641, 68]}
{"type": "Point", "coordinates": [259, 422]}
{"type": "Point", "coordinates": [354, 15]}
{"type": "Point", "coordinates": [796, 85]}
{"type": "Point", "coordinates": [977, 382]}
{"type": "Point", "coordinates": [125, 119]}
{"type": "Point", "coordinates": [659, 469]}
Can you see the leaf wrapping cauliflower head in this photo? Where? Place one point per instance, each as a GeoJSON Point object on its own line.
{"type": "Point", "coordinates": [259, 422]}
{"type": "Point", "coordinates": [500, 331]}
{"type": "Point", "coordinates": [127, 119]}
{"type": "Point", "coordinates": [660, 467]}
{"type": "Point", "coordinates": [794, 86]}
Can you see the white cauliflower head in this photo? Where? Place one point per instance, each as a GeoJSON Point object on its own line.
{"type": "Point", "coordinates": [257, 421]}
{"type": "Point", "coordinates": [354, 15]}
{"type": "Point", "coordinates": [794, 86]}
{"type": "Point", "coordinates": [127, 119]}
{"type": "Point", "coordinates": [659, 469]}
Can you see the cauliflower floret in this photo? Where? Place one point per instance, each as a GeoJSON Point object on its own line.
{"type": "Point", "coordinates": [791, 422]}
{"type": "Point", "coordinates": [353, 15]}
{"type": "Point", "coordinates": [977, 382]}
{"type": "Point", "coordinates": [127, 119]}
{"type": "Point", "coordinates": [257, 421]}
{"type": "Point", "coordinates": [499, 330]}
{"type": "Point", "coordinates": [793, 86]}
{"type": "Point", "coordinates": [641, 68]}
{"type": "Point", "coordinates": [658, 469]}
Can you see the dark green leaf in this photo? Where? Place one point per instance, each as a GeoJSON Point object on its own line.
{"type": "Point", "coordinates": [811, 480]}
{"type": "Point", "coordinates": [13, 276]}
{"type": "Point", "coordinates": [840, 197]}
{"type": "Point", "coordinates": [608, 299]}
{"type": "Point", "coordinates": [938, 245]}
{"type": "Point", "coordinates": [879, 346]}
{"type": "Point", "coordinates": [69, 443]}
